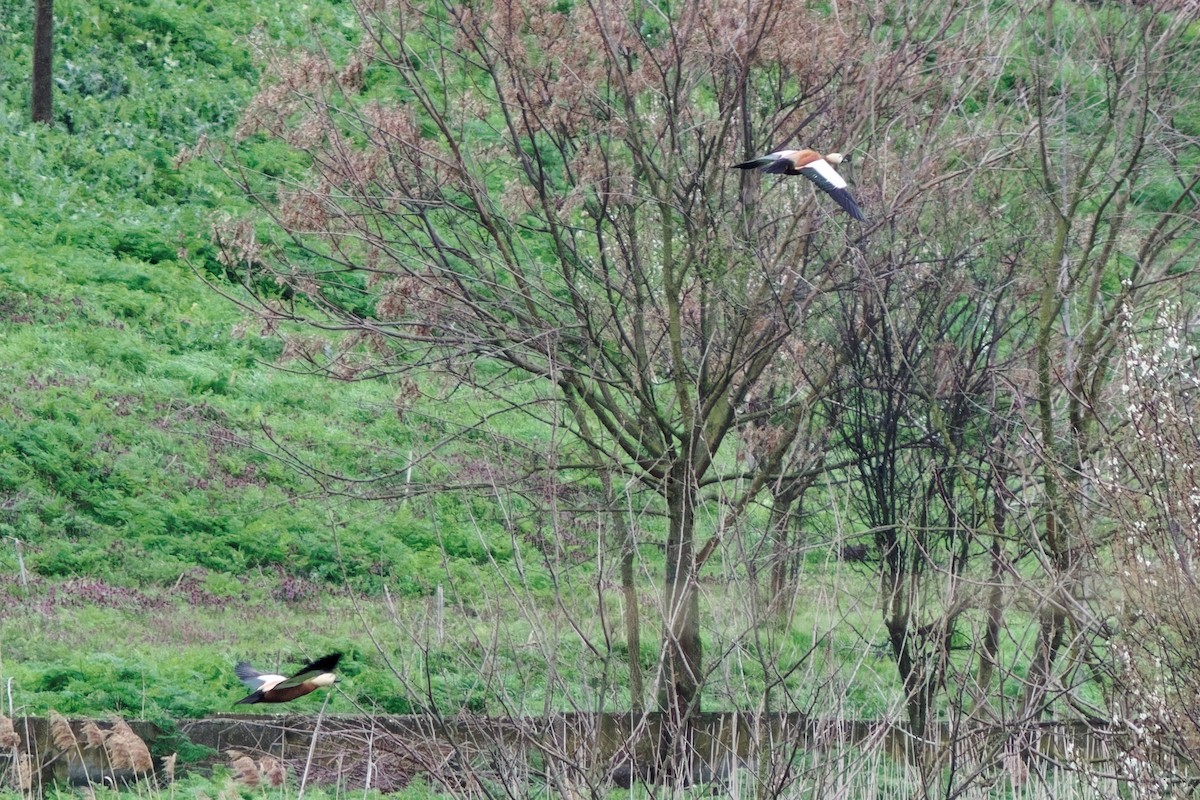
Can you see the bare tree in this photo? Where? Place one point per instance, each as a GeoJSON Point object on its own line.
{"type": "Point", "coordinates": [1116, 86]}
{"type": "Point", "coordinates": [1149, 484]}
{"type": "Point", "coordinates": [975, 356]}
{"type": "Point", "coordinates": [43, 62]}
{"type": "Point", "coordinates": [534, 201]}
{"type": "Point", "coordinates": [553, 196]}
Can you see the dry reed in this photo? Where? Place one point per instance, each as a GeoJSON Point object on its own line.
{"type": "Point", "coordinates": [25, 773]}
{"type": "Point", "coordinates": [244, 771]}
{"type": "Point", "coordinates": [92, 734]}
{"type": "Point", "coordinates": [61, 733]}
{"type": "Point", "coordinates": [273, 770]}
{"type": "Point", "coordinates": [8, 734]}
{"type": "Point", "coordinates": [126, 750]}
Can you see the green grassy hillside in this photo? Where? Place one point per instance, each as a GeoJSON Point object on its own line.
{"type": "Point", "coordinates": [153, 527]}
{"type": "Point", "coordinates": [139, 405]}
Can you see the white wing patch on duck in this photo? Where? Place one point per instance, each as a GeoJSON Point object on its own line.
{"type": "Point", "coordinates": [812, 165]}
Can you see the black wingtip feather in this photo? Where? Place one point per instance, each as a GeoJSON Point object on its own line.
{"type": "Point", "coordinates": [753, 163]}
{"type": "Point", "coordinates": [854, 211]}
{"type": "Point", "coordinates": [324, 664]}
{"type": "Point", "coordinates": [846, 201]}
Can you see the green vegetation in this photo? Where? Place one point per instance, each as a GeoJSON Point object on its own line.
{"type": "Point", "coordinates": [139, 405]}
{"type": "Point", "coordinates": [161, 530]}
{"type": "Point", "coordinates": [181, 487]}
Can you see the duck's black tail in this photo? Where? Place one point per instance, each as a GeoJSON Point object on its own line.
{"type": "Point", "coordinates": [754, 162]}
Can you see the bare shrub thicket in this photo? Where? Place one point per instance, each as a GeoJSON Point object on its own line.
{"type": "Point", "coordinates": [1149, 479]}
{"type": "Point", "coordinates": [530, 205]}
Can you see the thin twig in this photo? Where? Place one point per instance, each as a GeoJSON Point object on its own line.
{"type": "Point", "coordinates": [312, 746]}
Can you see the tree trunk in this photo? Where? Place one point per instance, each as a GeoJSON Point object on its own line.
{"type": "Point", "coordinates": [1050, 638]}
{"type": "Point", "coordinates": [783, 559]}
{"type": "Point", "coordinates": [681, 628]}
{"type": "Point", "coordinates": [1052, 537]}
{"type": "Point", "coordinates": [679, 686]}
{"type": "Point", "coordinates": [633, 636]}
{"type": "Point", "coordinates": [989, 655]}
{"type": "Point", "coordinates": [897, 618]}
{"type": "Point", "coordinates": [43, 62]}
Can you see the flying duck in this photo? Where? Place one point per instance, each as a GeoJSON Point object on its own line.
{"type": "Point", "coordinates": [817, 168]}
{"type": "Point", "coordinates": [280, 689]}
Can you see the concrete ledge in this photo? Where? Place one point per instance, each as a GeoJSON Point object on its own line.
{"type": "Point", "coordinates": [620, 749]}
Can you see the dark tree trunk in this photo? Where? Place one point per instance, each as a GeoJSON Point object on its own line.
{"type": "Point", "coordinates": [989, 657]}
{"type": "Point", "coordinates": [633, 636]}
{"type": "Point", "coordinates": [679, 687]}
{"type": "Point", "coordinates": [783, 559]}
{"type": "Point", "coordinates": [681, 629]}
{"type": "Point", "coordinates": [43, 62]}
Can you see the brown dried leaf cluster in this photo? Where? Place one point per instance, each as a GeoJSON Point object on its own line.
{"type": "Point", "coordinates": [303, 209]}
{"type": "Point", "coordinates": [237, 242]}
{"type": "Point", "coordinates": [405, 297]}
{"type": "Point", "coordinates": [291, 84]}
